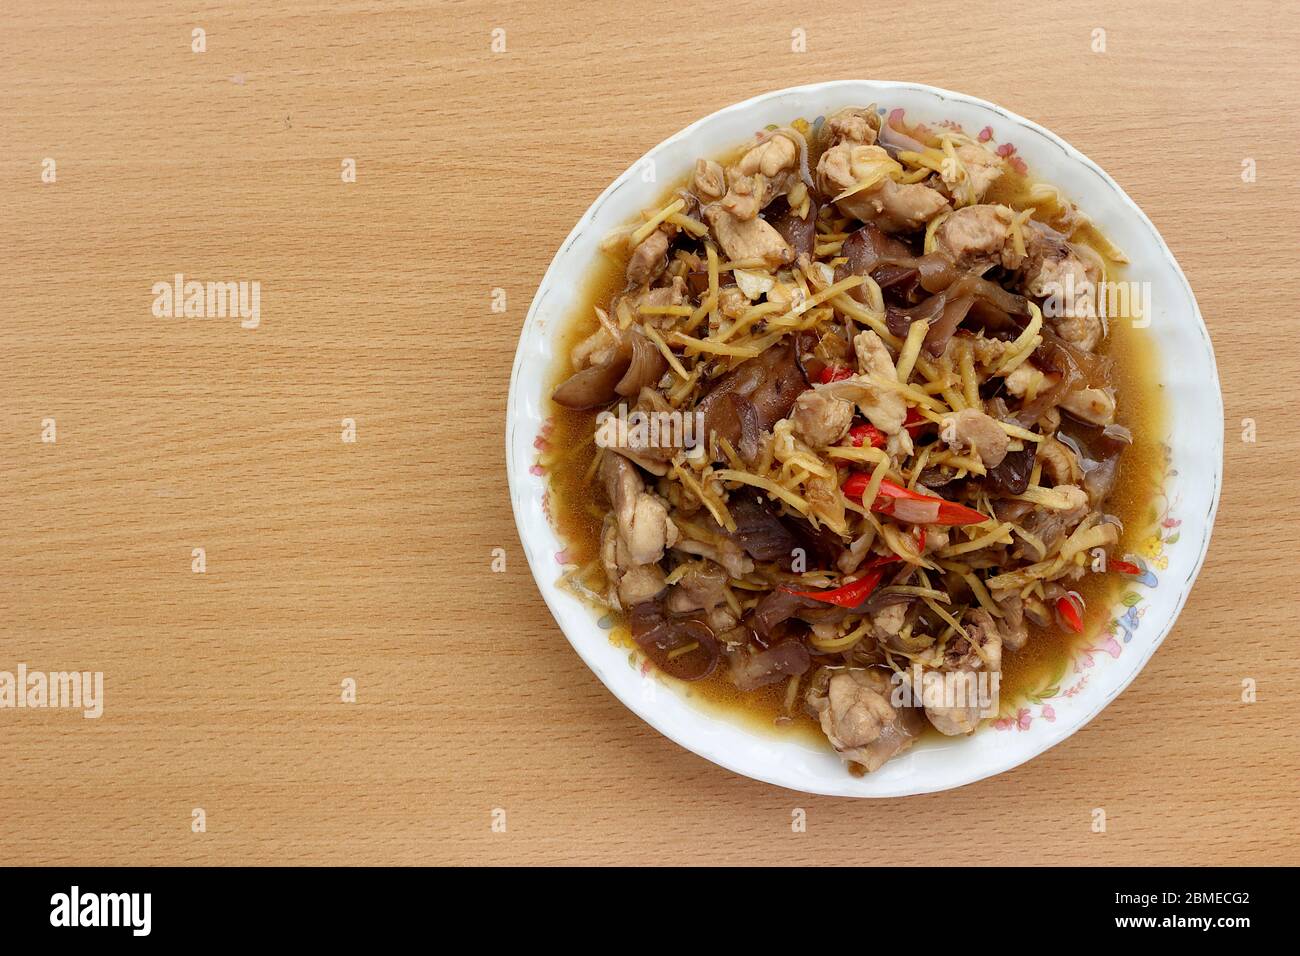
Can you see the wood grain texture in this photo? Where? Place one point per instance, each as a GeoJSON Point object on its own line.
{"type": "Point", "coordinates": [328, 560]}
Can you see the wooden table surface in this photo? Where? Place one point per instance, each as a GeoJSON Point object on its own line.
{"type": "Point", "coordinates": [329, 560]}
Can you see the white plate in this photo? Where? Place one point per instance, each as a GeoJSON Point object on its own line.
{"type": "Point", "coordinates": [1100, 672]}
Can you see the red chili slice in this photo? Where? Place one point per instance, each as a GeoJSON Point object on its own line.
{"type": "Point", "coordinates": [867, 434]}
{"type": "Point", "coordinates": [1123, 567]}
{"type": "Point", "coordinates": [851, 595]}
{"type": "Point", "coordinates": [1071, 613]}
{"type": "Point", "coordinates": [911, 507]}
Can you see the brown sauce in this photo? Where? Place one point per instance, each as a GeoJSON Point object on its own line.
{"type": "Point", "coordinates": [577, 505]}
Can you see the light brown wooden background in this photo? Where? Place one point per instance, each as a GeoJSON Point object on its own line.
{"type": "Point", "coordinates": [371, 560]}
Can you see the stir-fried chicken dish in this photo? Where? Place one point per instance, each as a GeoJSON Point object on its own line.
{"type": "Point", "coordinates": [861, 427]}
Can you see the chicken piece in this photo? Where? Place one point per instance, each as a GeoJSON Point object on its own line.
{"type": "Point", "coordinates": [981, 168]}
{"type": "Point", "coordinates": [855, 715]}
{"type": "Point", "coordinates": [1060, 465]}
{"type": "Point", "coordinates": [639, 583]}
{"type": "Point", "coordinates": [623, 485]}
{"type": "Point", "coordinates": [702, 587]}
{"type": "Point", "coordinates": [596, 349]}
{"type": "Point", "coordinates": [972, 429]}
{"type": "Point", "coordinates": [745, 197]}
{"type": "Point", "coordinates": [883, 406]}
{"type": "Point", "coordinates": [852, 124]}
{"type": "Point", "coordinates": [887, 622]}
{"type": "Point", "coordinates": [648, 530]}
{"type": "Point", "coordinates": [665, 295]}
{"type": "Point", "coordinates": [903, 207]}
{"type": "Point", "coordinates": [772, 166]}
{"type": "Point", "coordinates": [951, 696]}
{"type": "Point", "coordinates": [634, 536]}
{"type": "Point", "coordinates": [754, 285]}
{"type": "Point", "coordinates": [964, 690]}
{"type": "Point", "coordinates": [1088, 404]}
{"type": "Point", "coordinates": [705, 539]}
{"type": "Point", "coordinates": [651, 449]}
{"type": "Point", "coordinates": [732, 302]}
{"type": "Point", "coordinates": [873, 356]}
{"type": "Point", "coordinates": [989, 353]}
{"type": "Point", "coordinates": [844, 165]}
{"type": "Point", "coordinates": [1055, 271]}
{"type": "Point", "coordinates": [1076, 319]}
{"type": "Point", "coordinates": [772, 156]}
{"type": "Point", "coordinates": [1093, 405]}
{"type": "Point", "coordinates": [1042, 242]}
{"type": "Point", "coordinates": [744, 240]}
{"type": "Point", "coordinates": [630, 584]}
{"type": "Point", "coordinates": [984, 649]}
{"type": "Point", "coordinates": [649, 259]}
{"type": "Point", "coordinates": [654, 460]}
{"type": "Point", "coordinates": [709, 182]}
{"type": "Point", "coordinates": [644, 527]}
{"type": "Point", "coordinates": [1061, 273]}
{"type": "Point", "coordinates": [891, 206]}
{"type": "Point", "coordinates": [726, 553]}
{"type": "Point", "coordinates": [1026, 380]}
{"type": "Point", "coordinates": [819, 419]}
{"type": "Point", "coordinates": [1012, 627]}
{"type": "Point", "coordinates": [978, 238]}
